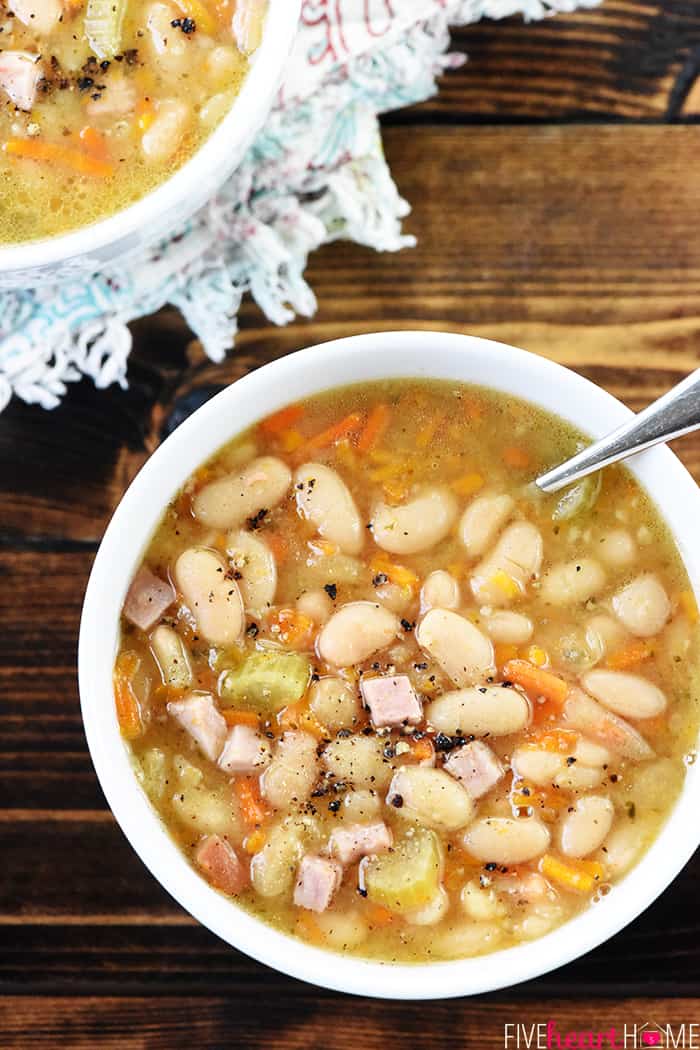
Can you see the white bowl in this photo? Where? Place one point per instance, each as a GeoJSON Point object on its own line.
{"type": "Point", "coordinates": [83, 251]}
{"type": "Point", "coordinates": [393, 354]}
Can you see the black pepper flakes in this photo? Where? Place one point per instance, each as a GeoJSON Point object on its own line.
{"type": "Point", "coordinates": [397, 801]}
{"type": "Point", "coordinates": [408, 625]}
{"type": "Point", "coordinates": [331, 590]}
{"type": "Point", "coordinates": [380, 579]}
{"type": "Point", "coordinates": [334, 805]}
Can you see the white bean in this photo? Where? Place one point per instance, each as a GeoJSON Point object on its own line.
{"type": "Point", "coordinates": [518, 555]}
{"type": "Point", "coordinates": [430, 914]}
{"type": "Point", "coordinates": [393, 597]}
{"type": "Point", "coordinates": [228, 501]}
{"type": "Point", "coordinates": [440, 591]}
{"type": "Point", "coordinates": [214, 601]}
{"type": "Point", "coordinates": [487, 711]}
{"type": "Point", "coordinates": [463, 652]}
{"type": "Point", "coordinates": [431, 797]}
{"type": "Point", "coordinates": [605, 727]}
{"type": "Point", "coordinates": [618, 548]}
{"type": "Point", "coordinates": [355, 632]}
{"type": "Point", "coordinates": [316, 605]}
{"type": "Point", "coordinates": [168, 44]}
{"type": "Point", "coordinates": [585, 829]}
{"type": "Point", "coordinates": [572, 582]}
{"type": "Point", "coordinates": [324, 499]}
{"type": "Point", "coordinates": [511, 628]}
{"type": "Point", "coordinates": [643, 606]}
{"type": "Point", "coordinates": [334, 703]}
{"type": "Point", "coordinates": [480, 902]}
{"type": "Point", "coordinates": [461, 940]}
{"type": "Point", "coordinates": [253, 559]}
{"type": "Point", "coordinates": [206, 812]}
{"type": "Point", "coordinates": [172, 657]}
{"type": "Point", "coordinates": [342, 929]}
{"type": "Point", "coordinates": [482, 521]}
{"type": "Point", "coordinates": [358, 760]}
{"type": "Point", "coordinates": [273, 869]}
{"type": "Point", "coordinates": [360, 807]}
{"type": "Point", "coordinates": [628, 695]}
{"type": "Point", "coordinates": [415, 526]}
{"type": "Point", "coordinates": [624, 845]}
{"type": "Point", "coordinates": [537, 766]}
{"type": "Point", "coordinates": [505, 840]}
{"type": "Point", "coordinates": [579, 778]}
{"type": "Point", "coordinates": [604, 635]}
{"type": "Point", "coordinates": [591, 754]}
{"type": "Point", "coordinates": [291, 775]}
{"type": "Point", "coordinates": [162, 139]}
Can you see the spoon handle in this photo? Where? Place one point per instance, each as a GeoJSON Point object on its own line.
{"type": "Point", "coordinates": [676, 412]}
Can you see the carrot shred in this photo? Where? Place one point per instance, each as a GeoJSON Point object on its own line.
{"type": "Point", "coordinates": [503, 652]}
{"type": "Point", "coordinates": [94, 142]}
{"type": "Point", "coordinates": [580, 877]}
{"type": "Point", "coordinates": [298, 716]}
{"type": "Point", "coordinates": [80, 161]}
{"type": "Point", "coordinates": [345, 427]}
{"type": "Point", "coordinates": [558, 741]}
{"type": "Point", "coordinates": [233, 717]}
{"type": "Point", "coordinates": [630, 655]}
{"type": "Point", "coordinates": [308, 928]}
{"type": "Point", "coordinates": [283, 420]}
{"type": "Point", "coordinates": [378, 915]}
{"type": "Point", "coordinates": [291, 440]}
{"type": "Point", "coordinates": [126, 702]}
{"type": "Point", "coordinates": [398, 574]}
{"type": "Point", "coordinates": [293, 628]}
{"type": "Point", "coordinates": [535, 680]}
{"type": "Point", "coordinates": [377, 422]}
{"type": "Point", "coordinates": [421, 750]}
{"type": "Point", "coordinates": [253, 809]}
{"type": "Point", "coordinates": [255, 841]}
{"type": "Point", "coordinates": [514, 456]}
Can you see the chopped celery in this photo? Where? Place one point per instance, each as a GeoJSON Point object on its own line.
{"type": "Point", "coordinates": [578, 499]}
{"type": "Point", "coordinates": [103, 26]}
{"type": "Point", "coordinates": [154, 772]}
{"type": "Point", "coordinates": [408, 878]}
{"type": "Point", "coordinates": [269, 679]}
{"type": "Point", "coordinates": [191, 776]}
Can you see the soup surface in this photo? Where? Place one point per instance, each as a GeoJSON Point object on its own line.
{"type": "Point", "coordinates": [101, 100]}
{"type": "Point", "coordinates": [392, 700]}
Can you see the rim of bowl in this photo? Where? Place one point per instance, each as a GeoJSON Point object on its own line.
{"type": "Point", "coordinates": [248, 111]}
{"type": "Point", "coordinates": [408, 354]}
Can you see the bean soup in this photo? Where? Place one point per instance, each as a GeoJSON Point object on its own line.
{"type": "Point", "coordinates": [102, 100]}
{"type": "Point", "coordinates": [393, 700]}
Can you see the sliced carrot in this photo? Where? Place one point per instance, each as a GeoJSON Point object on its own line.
{"type": "Point", "coordinates": [579, 876]}
{"type": "Point", "coordinates": [398, 574]}
{"type": "Point", "coordinates": [377, 422]}
{"type": "Point", "coordinates": [516, 457]}
{"type": "Point", "coordinates": [378, 915]}
{"type": "Point", "coordinates": [689, 605]}
{"type": "Point", "coordinates": [82, 162]}
{"type": "Point", "coordinates": [253, 809]}
{"type": "Point", "coordinates": [536, 681]}
{"type": "Point", "coordinates": [278, 546]}
{"type": "Point", "coordinates": [128, 709]}
{"type": "Point", "coordinates": [421, 750]}
{"type": "Point", "coordinates": [558, 741]}
{"type": "Point", "coordinates": [280, 421]}
{"type": "Point", "coordinates": [94, 142]}
{"type": "Point", "coordinates": [468, 484]}
{"type": "Point", "coordinates": [343, 428]}
{"type": "Point", "coordinates": [293, 628]}
{"type": "Point", "coordinates": [232, 717]}
{"type": "Point", "coordinates": [630, 655]}
{"type": "Point", "coordinates": [299, 716]}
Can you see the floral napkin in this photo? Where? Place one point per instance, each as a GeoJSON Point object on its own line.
{"type": "Point", "coordinates": [316, 173]}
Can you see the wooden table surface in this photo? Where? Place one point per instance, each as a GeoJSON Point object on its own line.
{"type": "Point", "coordinates": [556, 191]}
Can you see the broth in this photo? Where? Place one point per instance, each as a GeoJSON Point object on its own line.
{"type": "Point", "coordinates": [449, 712]}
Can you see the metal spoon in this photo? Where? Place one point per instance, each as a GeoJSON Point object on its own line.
{"type": "Point", "coordinates": [675, 413]}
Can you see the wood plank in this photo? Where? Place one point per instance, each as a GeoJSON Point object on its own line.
{"type": "Point", "coordinates": [295, 1016]}
{"type": "Point", "coordinates": [543, 237]}
{"type": "Point", "coordinates": [625, 60]}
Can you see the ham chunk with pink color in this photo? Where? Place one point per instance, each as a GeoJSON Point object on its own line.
{"type": "Point", "coordinates": [199, 716]}
{"type": "Point", "coordinates": [359, 840]}
{"type": "Point", "coordinates": [221, 865]}
{"type": "Point", "coordinates": [317, 881]}
{"type": "Point", "coordinates": [476, 767]}
{"type": "Point", "coordinates": [20, 72]}
{"type": "Point", "coordinates": [391, 700]}
{"type": "Point", "coordinates": [147, 599]}
{"type": "Point", "coordinates": [245, 751]}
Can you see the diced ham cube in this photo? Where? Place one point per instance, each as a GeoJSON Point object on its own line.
{"type": "Point", "coordinates": [40, 15]}
{"type": "Point", "coordinates": [147, 599]}
{"type": "Point", "coordinates": [221, 865]}
{"type": "Point", "coordinates": [199, 716]}
{"type": "Point", "coordinates": [317, 881]}
{"type": "Point", "coordinates": [20, 72]}
{"type": "Point", "coordinates": [476, 767]}
{"type": "Point", "coordinates": [391, 700]}
{"type": "Point", "coordinates": [245, 751]}
{"type": "Point", "coordinates": [359, 840]}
